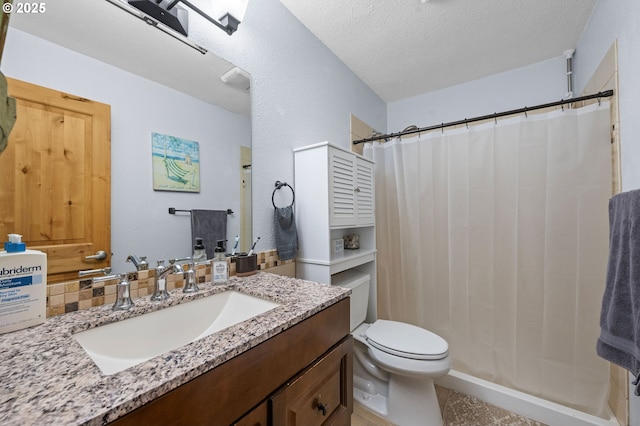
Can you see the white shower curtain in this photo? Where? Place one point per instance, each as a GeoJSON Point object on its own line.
{"type": "Point", "coordinates": [496, 238]}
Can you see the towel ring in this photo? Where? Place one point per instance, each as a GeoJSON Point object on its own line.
{"type": "Point", "coordinates": [278, 186]}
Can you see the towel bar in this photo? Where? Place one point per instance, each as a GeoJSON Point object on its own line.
{"type": "Point", "coordinates": [173, 210]}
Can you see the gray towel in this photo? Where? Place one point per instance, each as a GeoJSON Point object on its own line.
{"type": "Point", "coordinates": [211, 226]}
{"type": "Point", "coordinates": [284, 223]}
{"type": "Point", "coordinates": [619, 340]}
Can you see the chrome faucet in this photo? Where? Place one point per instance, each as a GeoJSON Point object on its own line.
{"type": "Point", "coordinates": [141, 263]}
{"type": "Point", "coordinates": [160, 285]}
{"type": "Point", "coordinates": [123, 289]}
{"type": "Point", "coordinates": [191, 286]}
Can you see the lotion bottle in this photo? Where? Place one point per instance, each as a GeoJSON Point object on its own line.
{"type": "Point", "coordinates": [23, 286]}
{"type": "Point", "coordinates": [220, 266]}
{"type": "Point", "coordinates": [199, 253]}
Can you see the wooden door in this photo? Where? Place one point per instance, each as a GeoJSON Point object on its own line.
{"type": "Point", "coordinates": [55, 178]}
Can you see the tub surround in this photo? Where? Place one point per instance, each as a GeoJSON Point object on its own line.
{"type": "Point", "coordinates": [46, 377]}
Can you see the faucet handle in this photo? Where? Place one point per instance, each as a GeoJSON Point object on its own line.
{"type": "Point", "coordinates": [123, 295]}
{"type": "Point", "coordinates": [86, 272]}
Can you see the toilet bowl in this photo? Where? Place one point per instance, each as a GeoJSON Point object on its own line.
{"type": "Point", "coordinates": [395, 363]}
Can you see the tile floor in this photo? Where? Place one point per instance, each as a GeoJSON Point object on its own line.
{"type": "Point", "coordinates": [457, 410]}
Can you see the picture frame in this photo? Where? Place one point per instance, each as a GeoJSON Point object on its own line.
{"type": "Point", "coordinates": [175, 163]}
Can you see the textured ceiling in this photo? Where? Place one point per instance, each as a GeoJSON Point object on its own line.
{"type": "Point", "coordinates": [404, 48]}
{"type": "Point", "coordinates": [105, 32]}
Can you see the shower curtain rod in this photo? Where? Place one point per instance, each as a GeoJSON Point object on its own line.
{"type": "Point", "coordinates": [599, 95]}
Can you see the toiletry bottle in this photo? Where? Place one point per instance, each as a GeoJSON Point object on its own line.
{"type": "Point", "coordinates": [23, 286]}
{"type": "Point", "coordinates": [199, 253]}
{"type": "Point", "coordinates": [220, 267]}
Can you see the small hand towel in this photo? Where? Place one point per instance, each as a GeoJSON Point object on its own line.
{"type": "Point", "coordinates": [619, 340]}
{"type": "Point", "coordinates": [211, 226]}
{"type": "Point", "coordinates": [284, 223]}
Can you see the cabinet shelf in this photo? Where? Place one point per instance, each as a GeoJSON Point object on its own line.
{"type": "Point", "coordinates": [341, 262]}
{"type": "Point", "coordinates": [335, 197]}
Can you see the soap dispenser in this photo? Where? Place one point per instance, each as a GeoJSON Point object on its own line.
{"type": "Point", "coordinates": [199, 253]}
{"type": "Point", "coordinates": [220, 266]}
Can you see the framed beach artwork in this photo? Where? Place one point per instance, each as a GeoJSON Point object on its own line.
{"type": "Point", "coordinates": [176, 163]}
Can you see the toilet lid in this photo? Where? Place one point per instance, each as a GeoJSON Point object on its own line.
{"type": "Point", "coordinates": [406, 340]}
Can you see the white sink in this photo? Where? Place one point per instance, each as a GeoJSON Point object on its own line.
{"type": "Point", "coordinates": [117, 346]}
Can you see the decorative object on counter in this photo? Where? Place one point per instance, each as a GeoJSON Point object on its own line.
{"type": "Point", "coordinates": [176, 163]}
{"type": "Point", "coordinates": [284, 223]}
{"type": "Point", "coordinates": [211, 226]}
{"type": "Point", "coordinates": [337, 246]}
{"type": "Point", "coordinates": [24, 286]}
{"type": "Point", "coordinates": [246, 264]}
{"type": "Point", "coordinates": [352, 242]}
{"type": "Point", "coordinates": [220, 265]}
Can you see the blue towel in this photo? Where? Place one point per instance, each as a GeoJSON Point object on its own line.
{"type": "Point", "coordinates": [284, 223]}
{"type": "Point", "coordinates": [619, 340]}
{"type": "Point", "coordinates": [211, 226]}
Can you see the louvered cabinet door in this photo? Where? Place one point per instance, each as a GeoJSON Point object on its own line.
{"type": "Point", "coordinates": [364, 193]}
{"type": "Point", "coordinates": [342, 194]}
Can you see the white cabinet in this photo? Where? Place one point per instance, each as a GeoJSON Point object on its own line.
{"type": "Point", "coordinates": [334, 197]}
{"type": "Point", "coordinates": [350, 189]}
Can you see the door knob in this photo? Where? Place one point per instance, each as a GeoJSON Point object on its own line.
{"type": "Point", "coordinates": [100, 255]}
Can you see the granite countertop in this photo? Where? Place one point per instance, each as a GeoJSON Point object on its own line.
{"type": "Point", "coordinates": [47, 378]}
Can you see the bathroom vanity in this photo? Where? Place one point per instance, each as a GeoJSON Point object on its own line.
{"type": "Point", "coordinates": [290, 365]}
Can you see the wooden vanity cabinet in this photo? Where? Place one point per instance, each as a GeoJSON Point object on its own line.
{"type": "Point", "coordinates": [267, 383]}
{"type": "Point", "coordinates": [321, 395]}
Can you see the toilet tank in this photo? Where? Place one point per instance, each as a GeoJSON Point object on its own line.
{"type": "Point", "coordinates": [358, 282]}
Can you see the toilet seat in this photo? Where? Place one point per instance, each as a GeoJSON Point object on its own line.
{"type": "Point", "coordinates": [406, 341]}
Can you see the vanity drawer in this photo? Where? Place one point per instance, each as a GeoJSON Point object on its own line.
{"type": "Point", "coordinates": [322, 394]}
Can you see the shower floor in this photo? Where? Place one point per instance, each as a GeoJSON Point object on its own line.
{"type": "Point", "coordinates": [457, 410]}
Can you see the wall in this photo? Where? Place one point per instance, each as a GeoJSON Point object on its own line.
{"type": "Point", "coordinates": [611, 20]}
{"type": "Point", "coordinates": [138, 108]}
{"type": "Point", "coordinates": [535, 84]}
{"type": "Point", "coordinates": [301, 93]}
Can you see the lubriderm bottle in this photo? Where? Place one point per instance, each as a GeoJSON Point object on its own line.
{"type": "Point", "coordinates": [23, 286]}
{"type": "Point", "coordinates": [220, 266]}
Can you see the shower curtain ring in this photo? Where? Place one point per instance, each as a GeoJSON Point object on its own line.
{"type": "Point", "coordinates": [495, 118]}
{"type": "Point", "coordinates": [599, 104]}
{"type": "Point", "coordinates": [525, 113]}
{"type": "Point", "coordinates": [442, 128]}
{"type": "Point", "coordinates": [466, 123]}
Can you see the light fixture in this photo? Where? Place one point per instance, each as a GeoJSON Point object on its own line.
{"type": "Point", "coordinates": [230, 13]}
{"type": "Point", "coordinates": [122, 4]}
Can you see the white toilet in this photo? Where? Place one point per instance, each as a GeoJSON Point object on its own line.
{"type": "Point", "coordinates": [395, 363]}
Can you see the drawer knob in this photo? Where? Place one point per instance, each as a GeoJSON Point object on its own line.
{"type": "Point", "coordinates": [322, 407]}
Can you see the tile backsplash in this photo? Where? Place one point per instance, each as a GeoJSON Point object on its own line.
{"type": "Point", "coordinates": [84, 294]}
